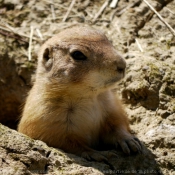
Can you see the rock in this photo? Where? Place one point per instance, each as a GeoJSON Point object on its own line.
{"type": "Point", "coordinates": [151, 83]}
{"type": "Point", "coordinates": [23, 155]}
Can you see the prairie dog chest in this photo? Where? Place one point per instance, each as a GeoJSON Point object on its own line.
{"type": "Point", "coordinates": [82, 118]}
{"type": "Point", "coordinates": [84, 113]}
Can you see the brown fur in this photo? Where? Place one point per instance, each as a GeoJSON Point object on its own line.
{"type": "Point", "coordinates": [71, 105]}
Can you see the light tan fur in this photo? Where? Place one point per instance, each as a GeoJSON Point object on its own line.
{"type": "Point", "coordinates": [71, 105]}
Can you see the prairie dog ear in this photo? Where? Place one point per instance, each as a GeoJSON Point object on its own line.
{"type": "Point", "coordinates": [46, 55]}
{"type": "Point", "coordinates": [47, 59]}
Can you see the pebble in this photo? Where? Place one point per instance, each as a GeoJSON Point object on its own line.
{"type": "Point", "coordinates": [145, 68]}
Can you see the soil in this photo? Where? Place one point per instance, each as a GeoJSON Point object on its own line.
{"type": "Point", "coordinates": [148, 89]}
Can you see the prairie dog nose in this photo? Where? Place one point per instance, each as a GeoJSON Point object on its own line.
{"type": "Point", "coordinates": [121, 64]}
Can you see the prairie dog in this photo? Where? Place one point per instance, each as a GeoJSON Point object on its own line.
{"type": "Point", "coordinates": [71, 105]}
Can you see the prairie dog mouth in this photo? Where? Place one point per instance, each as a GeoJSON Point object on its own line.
{"type": "Point", "coordinates": [113, 80]}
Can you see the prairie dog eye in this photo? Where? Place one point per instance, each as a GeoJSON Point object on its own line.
{"type": "Point", "coordinates": [77, 55]}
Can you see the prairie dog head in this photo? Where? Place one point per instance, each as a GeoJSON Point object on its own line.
{"type": "Point", "coordinates": [81, 58]}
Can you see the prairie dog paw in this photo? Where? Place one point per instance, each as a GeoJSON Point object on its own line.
{"type": "Point", "coordinates": [99, 156]}
{"type": "Point", "coordinates": [109, 154]}
{"type": "Point", "coordinates": [94, 155]}
{"type": "Point", "coordinates": [130, 143]}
